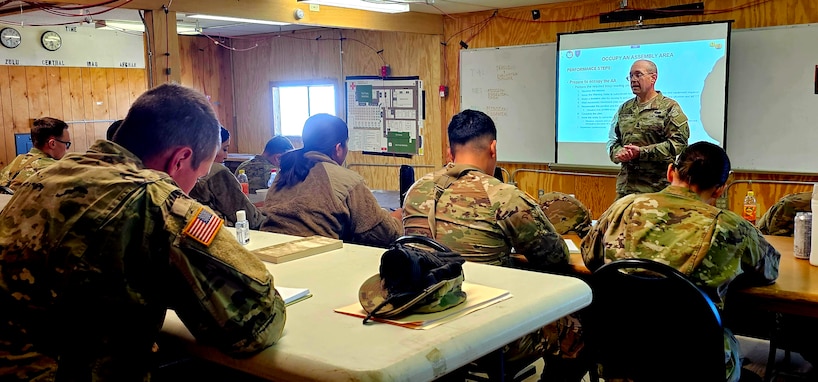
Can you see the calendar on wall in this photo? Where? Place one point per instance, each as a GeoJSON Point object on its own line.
{"type": "Point", "coordinates": [385, 115]}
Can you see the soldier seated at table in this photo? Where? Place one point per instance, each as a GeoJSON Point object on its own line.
{"type": "Point", "coordinates": [51, 140]}
{"type": "Point", "coordinates": [315, 195]}
{"type": "Point", "coordinates": [464, 207]}
{"type": "Point", "coordinates": [779, 219]}
{"type": "Point", "coordinates": [220, 190]}
{"type": "Point", "coordinates": [679, 226]}
{"type": "Point", "coordinates": [95, 248]}
{"type": "Point", "coordinates": [258, 169]}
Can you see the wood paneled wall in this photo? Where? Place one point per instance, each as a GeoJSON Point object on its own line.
{"type": "Point", "coordinates": [321, 55]}
{"type": "Point", "coordinates": [207, 68]}
{"type": "Point", "coordinates": [515, 27]}
{"type": "Point", "coordinates": [74, 95]}
{"type": "Point", "coordinates": [77, 95]}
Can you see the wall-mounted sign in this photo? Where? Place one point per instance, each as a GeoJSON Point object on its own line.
{"type": "Point", "coordinates": [84, 46]}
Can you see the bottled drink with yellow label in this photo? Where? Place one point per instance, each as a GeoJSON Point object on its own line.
{"type": "Point", "coordinates": [749, 211]}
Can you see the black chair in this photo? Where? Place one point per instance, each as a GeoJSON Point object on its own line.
{"type": "Point", "coordinates": [406, 177]}
{"type": "Point", "coordinates": [498, 173]}
{"type": "Point", "coordinates": [652, 323]}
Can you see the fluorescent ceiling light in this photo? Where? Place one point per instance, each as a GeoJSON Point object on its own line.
{"type": "Point", "coordinates": [385, 7]}
{"type": "Point", "coordinates": [137, 26]}
{"type": "Point", "coordinates": [235, 19]}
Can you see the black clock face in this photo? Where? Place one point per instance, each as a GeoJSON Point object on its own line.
{"type": "Point", "coordinates": [10, 37]}
{"type": "Point", "coordinates": [51, 40]}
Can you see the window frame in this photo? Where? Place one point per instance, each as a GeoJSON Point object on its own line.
{"type": "Point", "coordinates": [276, 120]}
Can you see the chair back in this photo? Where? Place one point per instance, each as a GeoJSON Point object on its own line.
{"type": "Point", "coordinates": [498, 173]}
{"type": "Point", "coordinates": [406, 177]}
{"type": "Point", "coordinates": [649, 322]}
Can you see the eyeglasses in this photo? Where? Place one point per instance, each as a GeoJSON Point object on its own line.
{"type": "Point", "coordinates": [67, 144]}
{"type": "Point", "coordinates": [636, 76]}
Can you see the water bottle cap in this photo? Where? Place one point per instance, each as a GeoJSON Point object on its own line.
{"type": "Point", "coordinates": [241, 215]}
{"type": "Point", "coordinates": [750, 193]}
{"type": "Point", "coordinates": [241, 171]}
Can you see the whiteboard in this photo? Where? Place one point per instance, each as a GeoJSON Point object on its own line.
{"type": "Point", "coordinates": [515, 86]}
{"type": "Point", "coordinates": [772, 108]}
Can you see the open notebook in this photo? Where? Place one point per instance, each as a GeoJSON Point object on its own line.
{"type": "Point", "coordinates": [293, 295]}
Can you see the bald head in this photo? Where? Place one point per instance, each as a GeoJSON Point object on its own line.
{"type": "Point", "coordinates": [643, 77]}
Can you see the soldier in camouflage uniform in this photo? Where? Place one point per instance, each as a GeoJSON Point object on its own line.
{"type": "Point", "coordinates": [95, 248]}
{"type": "Point", "coordinates": [258, 169]}
{"type": "Point", "coordinates": [647, 133]}
{"type": "Point", "coordinates": [51, 140]}
{"type": "Point", "coordinates": [220, 191]}
{"type": "Point", "coordinates": [566, 213]}
{"type": "Point", "coordinates": [680, 227]}
{"type": "Point", "coordinates": [779, 220]}
{"type": "Point", "coordinates": [464, 207]}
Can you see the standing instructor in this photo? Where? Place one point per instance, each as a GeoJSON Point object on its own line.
{"type": "Point", "coordinates": [647, 133]}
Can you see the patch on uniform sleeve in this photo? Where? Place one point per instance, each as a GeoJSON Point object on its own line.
{"type": "Point", "coordinates": [181, 206]}
{"type": "Point", "coordinates": [203, 227]}
{"type": "Point", "coordinates": [677, 117]}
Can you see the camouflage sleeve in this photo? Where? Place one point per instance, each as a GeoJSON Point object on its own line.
{"type": "Point", "coordinates": [531, 233]}
{"type": "Point", "coordinates": [594, 246]}
{"type": "Point", "coordinates": [371, 224]}
{"type": "Point", "coordinates": [226, 296]}
{"type": "Point", "coordinates": [241, 166]}
{"type": "Point", "coordinates": [4, 176]}
{"type": "Point", "coordinates": [614, 137]}
{"type": "Point", "coordinates": [228, 199]}
{"type": "Point", "coordinates": [677, 132]}
{"type": "Point", "coordinates": [779, 220]}
{"type": "Point", "coordinates": [736, 237]}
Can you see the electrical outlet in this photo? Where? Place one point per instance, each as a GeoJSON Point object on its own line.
{"type": "Point", "coordinates": [540, 192]}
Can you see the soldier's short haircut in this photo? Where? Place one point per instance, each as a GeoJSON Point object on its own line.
{"type": "Point", "coordinates": [704, 164]}
{"type": "Point", "coordinates": [471, 125]}
{"type": "Point", "coordinates": [45, 128]}
{"type": "Point", "coordinates": [279, 144]}
{"type": "Point", "coordinates": [166, 117]}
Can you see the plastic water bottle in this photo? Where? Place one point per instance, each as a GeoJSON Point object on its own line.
{"type": "Point", "coordinates": [242, 227]}
{"type": "Point", "coordinates": [244, 182]}
{"type": "Point", "coordinates": [813, 255]}
{"type": "Point", "coordinates": [272, 178]}
{"type": "Point", "coordinates": [749, 211]}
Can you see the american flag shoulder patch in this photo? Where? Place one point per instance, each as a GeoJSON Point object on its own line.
{"type": "Point", "coordinates": [203, 227]}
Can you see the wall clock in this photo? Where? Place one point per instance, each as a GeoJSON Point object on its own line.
{"type": "Point", "coordinates": [51, 40]}
{"type": "Point", "coordinates": [10, 37]}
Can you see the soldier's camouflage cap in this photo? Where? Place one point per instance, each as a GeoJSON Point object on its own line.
{"type": "Point", "coordinates": [413, 280]}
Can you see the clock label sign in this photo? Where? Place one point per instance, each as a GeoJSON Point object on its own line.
{"type": "Point", "coordinates": [53, 63]}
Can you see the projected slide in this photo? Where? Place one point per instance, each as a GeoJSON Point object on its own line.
{"type": "Point", "coordinates": [592, 71]}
